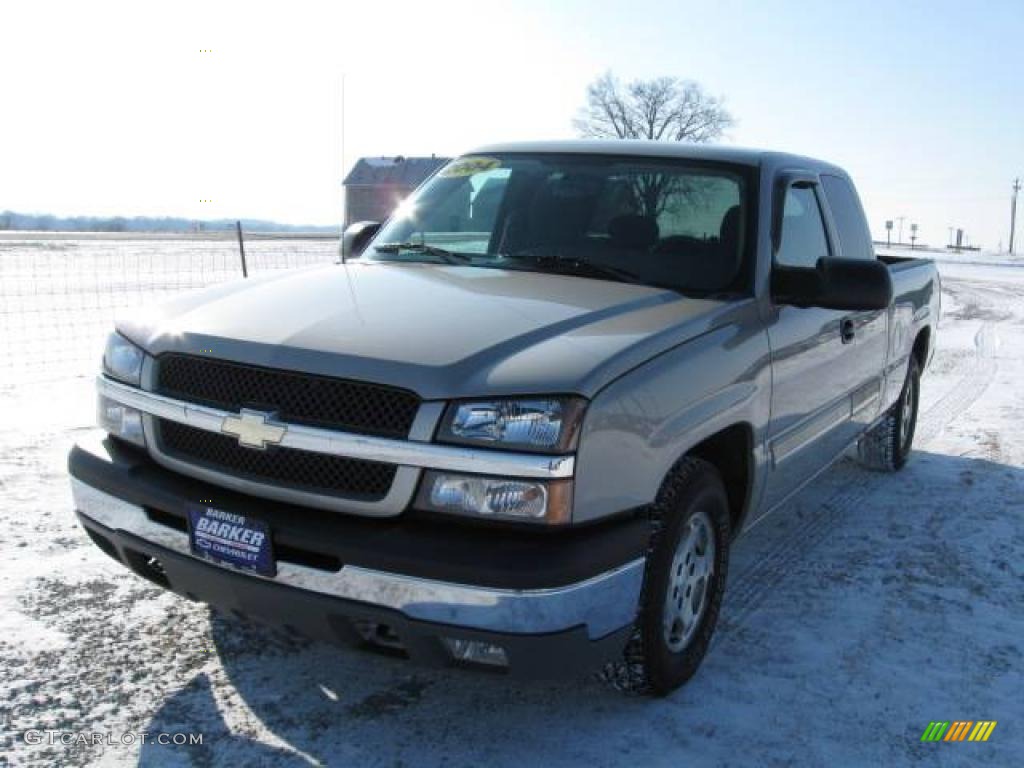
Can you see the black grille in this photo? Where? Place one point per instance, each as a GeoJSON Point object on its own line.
{"type": "Point", "coordinates": [297, 397]}
{"type": "Point", "coordinates": [300, 470]}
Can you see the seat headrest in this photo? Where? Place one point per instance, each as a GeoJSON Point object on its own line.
{"type": "Point", "coordinates": [723, 268]}
{"type": "Point", "coordinates": [633, 232]}
{"type": "Point", "coordinates": [558, 219]}
{"type": "Point", "coordinates": [729, 231]}
{"type": "Point", "coordinates": [713, 266]}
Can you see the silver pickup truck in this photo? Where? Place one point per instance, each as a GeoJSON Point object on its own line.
{"type": "Point", "coordinates": [519, 425]}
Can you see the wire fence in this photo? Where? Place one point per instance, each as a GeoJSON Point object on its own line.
{"type": "Point", "coordinates": [59, 296]}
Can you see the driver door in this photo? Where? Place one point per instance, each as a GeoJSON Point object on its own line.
{"type": "Point", "coordinates": [812, 359]}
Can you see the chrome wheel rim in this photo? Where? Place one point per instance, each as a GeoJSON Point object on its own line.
{"type": "Point", "coordinates": [906, 414]}
{"type": "Point", "coordinates": [689, 581]}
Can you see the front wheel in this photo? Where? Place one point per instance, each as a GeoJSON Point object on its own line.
{"type": "Point", "coordinates": [683, 583]}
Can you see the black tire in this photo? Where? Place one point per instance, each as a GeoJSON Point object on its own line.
{"type": "Point", "coordinates": [692, 500]}
{"type": "Point", "coordinates": [887, 446]}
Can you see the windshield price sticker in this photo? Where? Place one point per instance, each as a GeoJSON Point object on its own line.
{"type": "Point", "coordinates": [467, 166]}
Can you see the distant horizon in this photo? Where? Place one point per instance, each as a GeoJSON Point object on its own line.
{"type": "Point", "coordinates": [17, 221]}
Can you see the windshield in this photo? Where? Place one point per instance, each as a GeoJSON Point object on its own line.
{"type": "Point", "coordinates": [632, 219]}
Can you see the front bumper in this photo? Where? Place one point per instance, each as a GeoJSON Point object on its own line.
{"type": "Point", "coordinates": [555, 603]}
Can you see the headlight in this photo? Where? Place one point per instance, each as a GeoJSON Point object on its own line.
{"type": "Point", "coordinates": [122, 360]}
{"type": "Point", "coordinates": [120, 420]}
{"type": "Point", "coordinates": [497, 498]}
{"type": "Point", "coordinates": [548, 424]}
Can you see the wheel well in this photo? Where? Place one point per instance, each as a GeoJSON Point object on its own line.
{"type": "Point", "coordinates": [921, 346]}
{"type": "Point", "coordinates": [731, 453]}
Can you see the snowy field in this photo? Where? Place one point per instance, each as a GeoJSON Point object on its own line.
{"type": "Point", "coordinates": [59, 295]}
{"type": "Point", "coordinates": [871, 606]}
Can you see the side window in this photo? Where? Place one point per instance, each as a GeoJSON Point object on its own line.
{"type": "Point", "coordinates": [849, 218]}
{"type": "Point", "coordinates": [803, 232]}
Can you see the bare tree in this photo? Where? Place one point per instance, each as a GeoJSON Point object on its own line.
{"type": "Point", "coordinates": [662, 109]}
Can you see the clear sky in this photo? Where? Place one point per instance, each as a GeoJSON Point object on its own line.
{"type": "Point", "coordinates": [116, 109]}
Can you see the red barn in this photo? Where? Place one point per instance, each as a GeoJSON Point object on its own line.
{"type": "Point", "coordinates": [376, 185]}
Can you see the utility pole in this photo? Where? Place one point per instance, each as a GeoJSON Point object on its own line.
{"type": "Point", "coordinates": [1013, 211]}
{"type": "Point", "coordinates": [900, 219]}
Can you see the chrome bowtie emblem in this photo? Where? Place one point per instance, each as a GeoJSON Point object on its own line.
{"type": "Point", "coordinates": [254, 429]}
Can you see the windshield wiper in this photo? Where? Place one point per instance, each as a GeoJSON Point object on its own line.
{"type": "Point", "coordinates": [448, 257]}
{"type": "Point", "coordinates": [582, 267]}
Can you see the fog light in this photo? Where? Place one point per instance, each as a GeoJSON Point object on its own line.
{"type": "Point", "coordinates": [120, 420]}
{"type": "Point", "coordinates": [477, 652]}
{"type": "Point", "coordinates": [489, 497]}
{"type": "Point", "coordinates": [499, 498]}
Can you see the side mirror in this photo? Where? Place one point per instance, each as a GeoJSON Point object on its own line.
{"type": "Point", "coordinates": [844, 284]}
{"type": "Point", "coordinates": [355, 238]}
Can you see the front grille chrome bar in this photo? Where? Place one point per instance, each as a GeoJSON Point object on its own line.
{"type": "Point", "coordinates": [409, 453]}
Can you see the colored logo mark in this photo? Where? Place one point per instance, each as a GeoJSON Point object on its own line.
{"type": "Point", "coordinates": [959, 730]}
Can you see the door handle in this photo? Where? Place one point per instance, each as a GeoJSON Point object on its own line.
{"type": "Point", "coordinates": [847, 330]}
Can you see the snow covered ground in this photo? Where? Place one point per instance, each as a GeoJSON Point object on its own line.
{"type": "Point", "coordinates": [59, 292]}
{"type": "Point", "coordinates": [870, 606]}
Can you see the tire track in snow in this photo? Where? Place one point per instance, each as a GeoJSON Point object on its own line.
{"type": "Point", "coordinates": [753, 584]}
{"type": "Point", "coordinates": [749, 588]}
{"type": "Point", "coordinates": [973, 384]}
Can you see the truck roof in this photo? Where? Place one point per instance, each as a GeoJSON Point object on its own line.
{"type": "Point", "coordinates": [670, 149]}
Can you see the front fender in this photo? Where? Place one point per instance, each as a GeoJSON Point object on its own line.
{"type": "Point", "coordinates": [640, 425]}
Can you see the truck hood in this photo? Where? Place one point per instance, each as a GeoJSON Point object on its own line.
{"type": "Point", "coordinates": [442, 331]}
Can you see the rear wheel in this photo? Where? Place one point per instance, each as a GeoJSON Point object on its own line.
{"type": "Point", "coordinates": [888, 444]}
{"type": "Point", "coordinates": [683, 584]}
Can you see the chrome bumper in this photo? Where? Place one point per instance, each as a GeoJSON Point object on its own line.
{"type": "Point", "coordinates": [603, 603]}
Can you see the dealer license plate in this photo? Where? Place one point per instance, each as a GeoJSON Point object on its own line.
{"type": "Point", "coordinates": [227, 538]}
